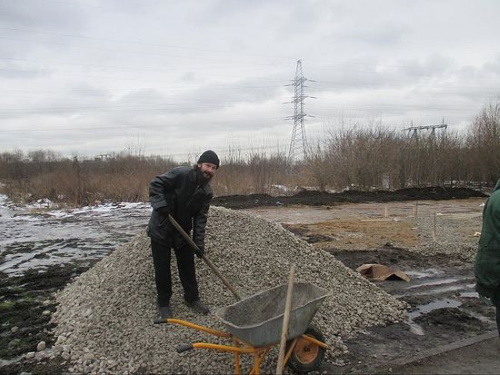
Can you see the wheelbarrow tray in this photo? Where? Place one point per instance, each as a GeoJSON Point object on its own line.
{"type": "Point", "coordinates": [258, 320]}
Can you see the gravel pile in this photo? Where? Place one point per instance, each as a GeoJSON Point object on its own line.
{"type": "Point", "coordinates": [105, 317]}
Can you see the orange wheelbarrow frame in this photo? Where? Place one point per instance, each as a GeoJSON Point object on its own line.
{"type": "Point", "coordinates": [305, 343]}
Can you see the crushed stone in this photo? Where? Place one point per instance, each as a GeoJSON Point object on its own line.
{"type": "Point", "coordinates": [104, 319]}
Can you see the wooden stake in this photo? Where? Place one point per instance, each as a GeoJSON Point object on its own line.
{"type": "Point", "coordinates": [286, 319]}
{"type": "Point", "coordinates": [434, 228]}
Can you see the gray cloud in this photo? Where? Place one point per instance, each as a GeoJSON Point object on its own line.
{"type": "Point", "coordinates": [94, 77]}
{"type": "Point", "coordinates": [42, 16]}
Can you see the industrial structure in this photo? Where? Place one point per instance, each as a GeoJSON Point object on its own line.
{"type": "Point", "coordinates": [298, 143]}
{"type": "Point", "coordinates": [432, 128]}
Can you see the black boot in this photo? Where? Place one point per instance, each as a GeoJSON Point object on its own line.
{"type": "Point", "coordinates": [199, 307]}
{"type": "Point", "coordinates": [165, 312]}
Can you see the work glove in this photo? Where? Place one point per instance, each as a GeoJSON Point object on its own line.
{"type": "Point", "coordinates": [201, 251]}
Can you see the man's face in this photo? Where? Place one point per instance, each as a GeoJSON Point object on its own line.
{"type": "Point", "coordinates": [208, 170]}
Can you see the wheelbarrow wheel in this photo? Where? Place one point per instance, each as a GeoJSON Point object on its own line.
{"type": "Point", "coordinates": [306, 356]}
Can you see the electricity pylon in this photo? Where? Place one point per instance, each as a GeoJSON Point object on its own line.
{"type": "Point", "coordinates": [298, 143]}
{"type": "Point", "coordinates": [433, 128]}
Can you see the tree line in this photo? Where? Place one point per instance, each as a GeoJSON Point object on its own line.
{"type": "Point", "coordinates": [352, 156]}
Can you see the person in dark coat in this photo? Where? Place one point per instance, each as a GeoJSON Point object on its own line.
{"type": "Point", "coordinates": [184, 193]}
{"type": "Point", "coordinates": [487, 262]}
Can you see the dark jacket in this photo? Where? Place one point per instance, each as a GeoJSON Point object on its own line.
{"type": "Point", "coordinates": [187, 195]}
{"type": "Point", "coordinates": [487, 263]}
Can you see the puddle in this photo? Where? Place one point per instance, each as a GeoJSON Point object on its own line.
{"type": "Point", "coordinates": [437, 283]}
{"type": "Point", "coordinates": [469, 294]}
{"type": "Point", "coordinates": [480, 317]}
{"type": "Point", "coordinates": [34, 240]}
{"type": "Point", "coordinates": [434, 283]}
{"type": "Point", "coordinates": [434, 305]}
{"type": "Point", "coordinates": [427, 308]}
{"type": "Point", "coordinates": [423, 273]}
{"type": "Point", "coordinates": [430, 272]}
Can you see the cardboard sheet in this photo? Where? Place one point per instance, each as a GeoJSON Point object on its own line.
{"type": "Point", "coordinates": [379, 272]}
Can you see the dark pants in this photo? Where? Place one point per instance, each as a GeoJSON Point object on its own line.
{"type": "Point", "coordinates": [163, 276]}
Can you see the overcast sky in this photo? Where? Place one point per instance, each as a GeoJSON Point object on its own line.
{"type": "Point", "coordinates": [88, 77]}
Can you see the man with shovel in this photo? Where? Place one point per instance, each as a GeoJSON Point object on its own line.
{"type": "Point", "coordinates": [183, 193]}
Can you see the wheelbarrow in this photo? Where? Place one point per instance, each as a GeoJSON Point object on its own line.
{"type": "Point", "coordinates": [254, 324]}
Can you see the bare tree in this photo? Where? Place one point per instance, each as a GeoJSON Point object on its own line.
{"type": "Point", "coordinates": [483, 141]}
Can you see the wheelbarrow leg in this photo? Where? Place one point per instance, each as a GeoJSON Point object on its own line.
{"type": "Point", "coordinates": [258, 355]}
{"type": "Point", "coordinates": [237, 365]}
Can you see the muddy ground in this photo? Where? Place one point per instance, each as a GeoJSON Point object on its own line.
{"type": "Point", "coordinates": [444, 305]}
{"type": "Point", "coordinates": [357, 228]}
{"type": "Point", "coordinates": [25, 308]}
{"type": "Point", "coordinates": [318, 198]}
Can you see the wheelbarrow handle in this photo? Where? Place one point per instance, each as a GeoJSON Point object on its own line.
{"type": "Point", "coordinates": [184, 348]}
{"type": "Point", "coordinates": [160, 321]}
{"type": "Point", "coordinates": [205, 259]}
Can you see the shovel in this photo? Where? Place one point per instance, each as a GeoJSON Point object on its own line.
{"type": "Point", "coordinates": [205, 259]}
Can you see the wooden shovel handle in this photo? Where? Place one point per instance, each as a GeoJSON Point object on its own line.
{"type": "Point", "coordinates": [286, 320]}
{"type": "Point", "coordinates": [205, 259]}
